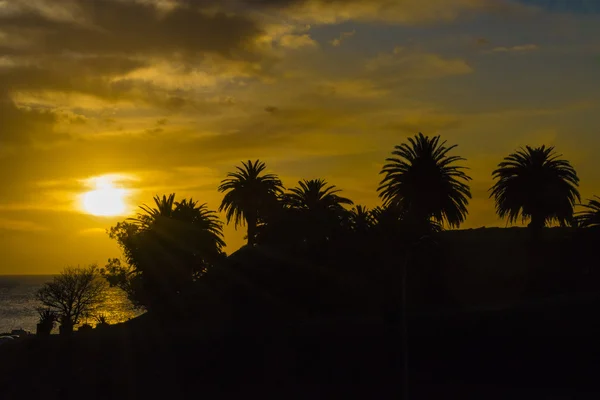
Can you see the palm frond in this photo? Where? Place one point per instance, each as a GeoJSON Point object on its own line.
{"type": "Point", "coordinates": [316, 194]}
{"type": "Point", "coordinates": [424, 181]}
{"type": "Point", "coordinates": [248, 193]}
{"type": "Point", "coordinates": [534, 183]}
{"type": "Point", "coordinates": [590, 216]}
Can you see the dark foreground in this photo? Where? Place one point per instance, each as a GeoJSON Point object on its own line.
{"type": "Point", "coordinates": [550, 352]}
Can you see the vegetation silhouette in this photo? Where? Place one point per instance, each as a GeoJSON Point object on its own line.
{"type": "Point", "coordinates": [590, 216]}
{"type": "Point", "coordinates": [329, 293]}
{"type": "Point", "coordinates": [425, 182]}
{"type": "Point", "coordinates": [315, 196]}
{"type": "Point", "coordinates": [70, 296]}
{"type": "Point", "coordinates": [361, 220]}
{"type": "Point", "coordinates": [47, 321]}
{"type": "Point", "coordinates": [167, 247]}
{"type": "Point", "coordinates": [249, 196]}
{"type": "Point", "coordinates": [535, 184]}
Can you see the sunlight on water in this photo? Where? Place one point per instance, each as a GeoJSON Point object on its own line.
{"type": "Point", "coordinates": [116, 309]}
{"type": "Point", "coordinates": [18, 304]}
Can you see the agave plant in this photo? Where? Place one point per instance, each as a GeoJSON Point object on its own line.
{"type": "Point", "coordinates": [47, 321]}
{"type": "Point", "coordinates": [102, 320]}
{"type": "Point", "coordinates": [47, 317]}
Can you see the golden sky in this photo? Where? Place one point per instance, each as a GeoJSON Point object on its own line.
{"type": "Point", "coordinates": [168, 95]}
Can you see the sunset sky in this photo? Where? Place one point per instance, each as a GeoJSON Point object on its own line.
{"type": "Point", "coordinates": [167, 96]}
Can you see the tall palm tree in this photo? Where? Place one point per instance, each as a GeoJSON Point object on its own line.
{"type": "Point", "coordinates": [590, 217]}
{"type": "Point", "coordinates": [249, 195]}
{"type": "Point", "coordinates": [535, 184]}
{"type": "Point", "coordinates": [316, 195]}
{"type": "Point", "coordinates": [425, 183]}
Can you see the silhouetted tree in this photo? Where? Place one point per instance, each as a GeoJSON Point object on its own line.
{"type": "Point", "coordinates": [308, 216]}
{"type": "Point", "coordinates": [425, 183]}
{"type": "Point", "coordinates": [249, 196]}
{"type": "Point", "coordinates": [319, 210]}
{"type": "Point", "coordinates": [590, 217]}
{"type": "Point", "coordinates": [535, 184]}
{"type": "Point", "coordinates": [167, 247]}
{"type": "Point", "coordinates": [314, 195]}
{"type": "Point", "coordinates": [361, 220]}
{"type": "Point", "coordinates": [75, 293]}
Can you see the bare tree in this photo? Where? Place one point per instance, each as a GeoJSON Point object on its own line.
{"type": "Point", "coordinates": [75, 293]}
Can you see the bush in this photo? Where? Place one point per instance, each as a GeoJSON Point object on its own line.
{"type": "Point", "coordinates": [46, 322]}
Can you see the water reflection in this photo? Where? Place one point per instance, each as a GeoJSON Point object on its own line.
{"type": "Point", "coordinates": [18, 304]}
{"type": "Point", "coordinates": [116, 309]}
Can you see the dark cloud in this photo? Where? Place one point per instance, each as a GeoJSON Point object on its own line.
{"type": "Point", "coordinates": [82, 74]}
{"type": "Point", "coordinates": [81, 46]}
{"type": "Point", "coordinates": [128, 28]}
{"type": "Point", "coordinates": [24, 125]}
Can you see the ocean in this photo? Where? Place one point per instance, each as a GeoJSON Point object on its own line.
{"type": "Point", "coordinates": [18, 304]}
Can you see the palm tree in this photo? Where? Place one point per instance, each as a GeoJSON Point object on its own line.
{"type": "Point", "coordinates": [316, 210]}
{"type": "Point", "coordinates": [535, 184]}
{"type": "Point", "coordinates": [249, 195]}
{"type": "Point", "coordinates": [315, 195]}
{"type": "Point", "coordinates": [590, 217]}
{"type": "Point", "coordinates": [204, 223]}
{"type": "Point", "coordinates": [168, 246]}
{"type": "Point", "coordinates": [181, 223]}
{"type": "Point", "coordinates": [164, 208]}
{"type": "Point", "coordinates": [423, 181]}
{"type": "Point", "coordinates": [361, 219]}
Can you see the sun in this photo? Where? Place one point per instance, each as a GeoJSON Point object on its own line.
{"type": "Point", "coordinates": [106, 200]}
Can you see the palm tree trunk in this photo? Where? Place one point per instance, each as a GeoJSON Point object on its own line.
{"type": "Point", "coordinates": [536, 226]}
{"type": "Point", "coordinates": [251, 221]}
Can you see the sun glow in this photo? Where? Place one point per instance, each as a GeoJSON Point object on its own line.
{"type": "Point", "coordinates": [106, 200]}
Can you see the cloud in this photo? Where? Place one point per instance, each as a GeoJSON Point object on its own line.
{"type": "Point", "coordinates": [343, 36]}
{"type": "Point", "coordinates": [427, 123]}
{"type": "Point", "coordinates": [407, 12]}
{"type": "Point", "coordinates": [156, 53]}
{"type": "Point", "coordinates": [25, 125]}
{"type": "Point", "coordinates": [125, 27]}
{"type": "Point", "coordinates": [515, 49]}
{"type": "Point", "coordinates": [297, 41]}
{"type": "Point", "coordinates": [20, 226]}
{"type": "Point", "coordinates": [352, 88]}
{"type": "Point", "coordinates": [92, 231]}
{"type": "Point", "coordinates": [407, 64]}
